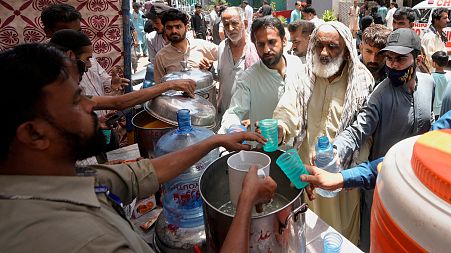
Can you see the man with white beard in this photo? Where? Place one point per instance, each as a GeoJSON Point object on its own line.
{"type": "Point", "coordinates": [235, 53]}
{"type": "Point", "coordinates": [336, 87]}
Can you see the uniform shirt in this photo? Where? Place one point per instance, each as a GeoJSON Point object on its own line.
{"type": "Point", "coordinates": [155, 42]}
{"type": "Point", "coordinates": [169, 57]}
{"type": "Point", "coordinates": [257, 91]}
{"type": "Point", "coordinates": [64, 213]}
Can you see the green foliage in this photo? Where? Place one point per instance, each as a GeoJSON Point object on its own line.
{"type": "Point", "coordinates": [273, 6]}
{"type": "Point", "coordinates": [329, 15]}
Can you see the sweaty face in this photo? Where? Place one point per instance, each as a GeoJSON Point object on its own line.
{"type": "Point", "coordinates": [175, 31]}
{"type": "Point", "coordinates": [269, 45]}
{"type": "Point", "coordinates": [402, 23]}
{"type": "Point", "coordinates": [329, 50]}
{"type": "Point", "coordinates": [233, 26]}
{"type": "Point", "coordinates": [372, 61]}
{"type": "Point", "coordinates": [299, 43]}
{"type": "Point", "coordinates": [76, 131]}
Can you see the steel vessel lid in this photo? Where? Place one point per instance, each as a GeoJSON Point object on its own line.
{"type": "Point", "coordinates": [165, 107]}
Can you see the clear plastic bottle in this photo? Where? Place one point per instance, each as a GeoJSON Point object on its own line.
{"type": "Point", "coordinates": [182, 203]}
{"type": "Point", "coordinates": [325, 159]}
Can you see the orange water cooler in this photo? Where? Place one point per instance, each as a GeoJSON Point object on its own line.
{"type": "Point", "coordinates": [412, 201]}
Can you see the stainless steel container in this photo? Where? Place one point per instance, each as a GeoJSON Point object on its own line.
{"type": "Point", "coordinates": [280, 231]}
{"type": "Point", "coordinates": [203, 79]}
{"type": "Point", "coordinates": [148, 131]}
{"type": "Point", "coordinates": [165, 108]}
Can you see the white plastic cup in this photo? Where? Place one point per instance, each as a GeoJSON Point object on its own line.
{"type": "Point", "coordinates": [239, 165]}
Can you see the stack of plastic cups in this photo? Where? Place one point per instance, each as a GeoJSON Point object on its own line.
{"type": "Point", "coordinates": [291, 165]}
{"type": "Point", "coordinates": [332, 242]}
{"type": "Point", "coordinates": [269, 131]}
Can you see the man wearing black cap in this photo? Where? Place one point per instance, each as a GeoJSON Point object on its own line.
{"type": "Point", "coordinates": [399, 107]}
{"type": "Point", "coordinates": [157, 39]}
{"type": "Point", "coordinates": [198, 23]}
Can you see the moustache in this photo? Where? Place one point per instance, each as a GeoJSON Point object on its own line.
{"type": "Point", "coordinates": [324, 59]}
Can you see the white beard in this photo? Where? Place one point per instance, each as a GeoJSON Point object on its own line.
{"type": "Point", "coordinates": [328, 70]}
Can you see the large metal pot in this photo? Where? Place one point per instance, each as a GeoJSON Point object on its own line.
{"type": "Point", "coordinates": [165, 107]}
{"type": "Point", "coordinates": [148, 131]}
{"type": "Point", "coordinates": [203, 79]}
{"type": "Point", "coordinates": [282, 230]}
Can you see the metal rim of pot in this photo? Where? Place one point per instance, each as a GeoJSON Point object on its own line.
{"type": "Point", "coordinates": [194, 120]}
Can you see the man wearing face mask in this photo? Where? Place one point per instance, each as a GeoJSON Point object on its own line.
{"type": "Point", "coordinates": [398, 108]}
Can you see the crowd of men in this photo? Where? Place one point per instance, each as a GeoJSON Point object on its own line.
{"type": "Point", "coordinates": [323, 84]}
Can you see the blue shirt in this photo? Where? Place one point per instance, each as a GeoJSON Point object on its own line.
{"type": "Point", "coordinates": [440, 84]}
{"type": "Point", "coordinates": [364, 175]}
{"type": "Point", "coordinates": [295, 15]}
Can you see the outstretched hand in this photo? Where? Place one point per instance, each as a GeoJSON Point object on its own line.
{"type": "Point", "coordinates": [186, 85]}
{"type": "Point", "coordinates": [117, 82]}
{"type": "Point", "coordinates": [279, 132]}
{"type": "Point", "coordinates": [233, 142]}
{"type": "Point", "coordinates": [321, 179]}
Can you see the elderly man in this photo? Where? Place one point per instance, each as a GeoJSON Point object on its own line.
{"type": "Point", "coordinates": [259, 88]}
{"type": "Point", "coordinates": [68, 209]}
{"type": "Point", "coordinates": [335, 89]}
{"type": "Point", "coordinates": [300, 35]}
{"type": "Point", "coordinates": [399, 107]}
{"type": "Point", "coordinates": [435, 38]}
{"type": "Point", "coordinates": [180, 49]}
{"type": "Point", "coordinates": [236, 53]}
{"type": "Point", "coordinates": [374, 39]}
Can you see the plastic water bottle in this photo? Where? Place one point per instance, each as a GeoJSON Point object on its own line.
{"type": "Point", "coordinates": [325, 159]}
{"type": "Point", "coordinates": [182, 203]}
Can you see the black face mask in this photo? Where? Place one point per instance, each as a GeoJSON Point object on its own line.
{"type": "Point", "coordinates": [400, 77]}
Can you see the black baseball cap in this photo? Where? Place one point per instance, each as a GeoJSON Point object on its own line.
{"type": "Point", "coordinates": [197, 6]}
{"type": "Point", "coordinates": [402, 41]}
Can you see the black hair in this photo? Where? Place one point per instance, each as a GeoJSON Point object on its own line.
{"type": "Point", "coordinates": [136, 5]}
{"type": "Point", "coordinates": [309, 9]}
{"type": "Point", "coordinates": [440, 58]}
{"type": "Point", "coordinates": [55, 13]}
{"type": "Point", "coordinates": [366, 22]}
{"type": "Point", "coordinates": [68, 39]}
{"type": "Point", "coordinates": [408, 12]}
{"type": "Point", "coordinates": [25, 70]}
{"type": "Point", "coordinates": [376, 35]}
{"type": "Point", "coordinates": [264, 22]}
{"type": "Point", "coordinates": [265, 2]}
{"type": "Point", "coordinates": [394, 4]}
{"type": "Point", "coordinates": [307, 27]}
{"type": "Point", "coordinates": [173, 15]}
{"type": "Point", "coordinates": [437, 14]}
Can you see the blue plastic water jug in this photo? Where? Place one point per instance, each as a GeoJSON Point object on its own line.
{"type": "Point", "coordinates": [182, 203]}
